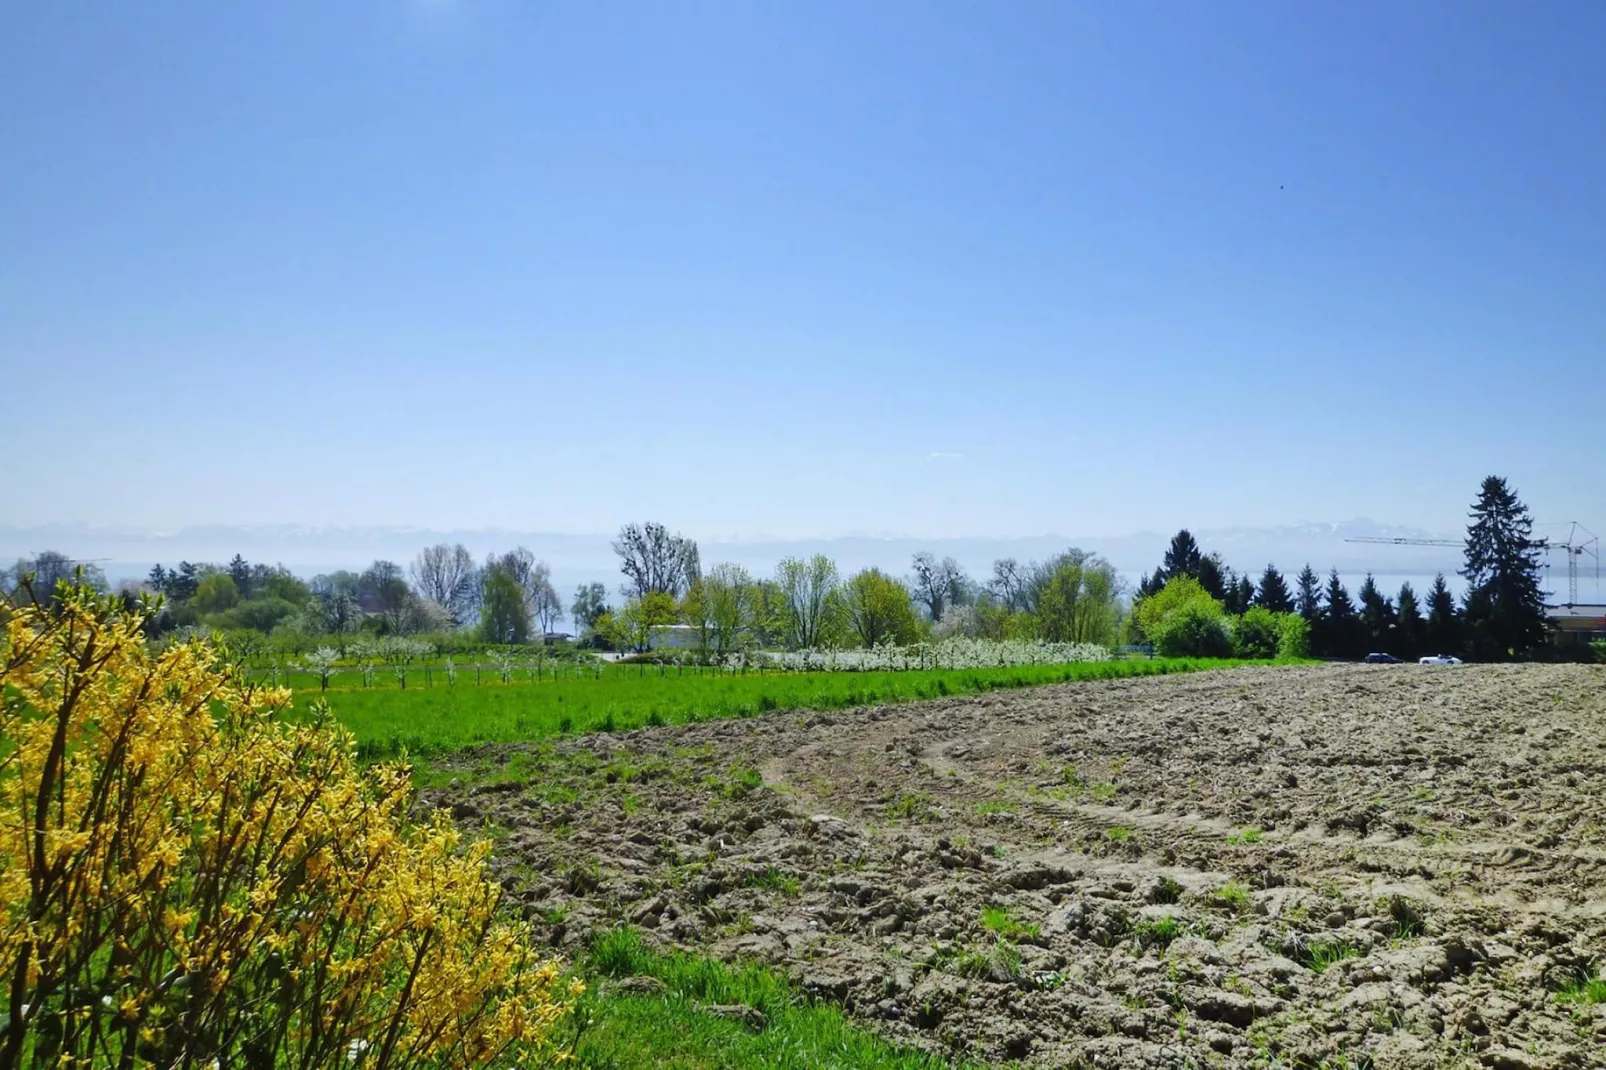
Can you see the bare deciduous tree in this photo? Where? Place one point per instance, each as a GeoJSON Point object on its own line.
{"type": "Point", "coordinates": [654, 561]}
{"type": "Point", "coordinates": [936, 584]}
{"type": "Point", "coordinates": [541, 601]}
{"type": "Point", "coordinates": [811, 590]}
{"type": "Point", "coordinates": [446, 576]}
{"type": "Point", "coordinates": [1009, 583]}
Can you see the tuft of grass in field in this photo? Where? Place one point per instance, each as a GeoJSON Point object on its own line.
{"type": "Point", "coordinates": [998, 920]}
{"type": "Point", "coordinates": [1157, 932]}
{"type": "Point", "coordinates": [1318, 955]}
{"type": "Point", "coordinates": [994, 806]}
{"type": "Point", "coordinates": [774, 878]}
{"type": "Point", "coordinates": [1234, 896]}
{"type": "Point", "coordinates": [1585, 991]}
{"type": "Point", "coordinates": [1119, 834]}
{"type": "Point", "coordinates": [638, 1030]}
{"type": "Point", "coordinates": [911, 806]}
{"type": "Point", "coordinates": [1248, 835]}
{"type": "Point", "coordinates": [421, 722]}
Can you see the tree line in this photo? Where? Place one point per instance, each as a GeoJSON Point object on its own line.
{"type": "Point", "coordinates": [1500, 616]}
{"type": "Point", "coordinates": [1193, 603]}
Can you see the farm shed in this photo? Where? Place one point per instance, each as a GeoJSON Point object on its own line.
{"type": "Point", "coordinates": [1577, 624]}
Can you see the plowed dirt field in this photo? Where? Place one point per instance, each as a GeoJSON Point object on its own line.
{"type": "Point", "coordinates": [1335, 865]}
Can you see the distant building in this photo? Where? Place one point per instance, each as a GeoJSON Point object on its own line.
{"type": "Point", "coordinates": [673, 637]}
{"type": "Point", "coordinates": [1577, 624]}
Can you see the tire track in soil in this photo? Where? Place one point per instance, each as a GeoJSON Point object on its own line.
{"type": "Point", "coordinates": [1441, 829]}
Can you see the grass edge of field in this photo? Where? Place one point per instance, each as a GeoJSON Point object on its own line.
{"type": "Point", "coordinates": [625, 1030]}
{"type": "Point", "coordinates": [842, 691]}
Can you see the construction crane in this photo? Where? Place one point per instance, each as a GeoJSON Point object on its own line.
{"type": "Point", "coordinates": [1579, 541]}
{"type": "Point", "coordinates": [1407, 542]}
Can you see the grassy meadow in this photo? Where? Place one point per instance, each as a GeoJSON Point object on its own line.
{"type": "Point", "coordinates": [433, 720]}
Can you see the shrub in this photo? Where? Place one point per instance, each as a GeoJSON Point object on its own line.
{"type": "Point", "coordinates": [1255, 634]}
{"type": "Point", "coordinates": [1195, 629]}
{"type": "Point", "coordinates": [196, 883]}
{"type": "Point", "coordinates": [1293, 636]}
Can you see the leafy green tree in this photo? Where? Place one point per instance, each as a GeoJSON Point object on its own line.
{"type": "Point", "coordinates": [1079, 603]}
{"type": "Point", "coordinates": [1442, 634]}
{"type": "Point", "coordinates": [1308, 602]}
{"type": "Point", "coordinates": [216, 593]}
{"type": "Point", "coordinates": [640, 617]}
{"type": "Point", "coordinates": [1182, 557]}
{"type": "Point", "coordinates": [1377, 618]}
{"type": "Point", "coordinates": [279, 582]}
{"type": "Point", "coordinates": [1293, 636]}
{"type": "Point", "coordinates": [590, 602]}
{"type": "Point", "coordinates": [1150, 614]}
{"type": "Point", "coordinates": [1195, 629]}
{"type": "Point", "coordinates": [1408, 633]}
{"type": "Point", "coordinates": [1339, 633]}
{"type": "Point", "coordinates": [1272, 592]}
{"type": "Point", "coordinates": [879, 610]}
{"type": "Point", "coordinates": [504, 615]}
{"type": "Point", "coordinates": [1254, 635]}
{"type": "Point", "coordinates": [1505, 605]}
{"type": "Point", "coordinates": [770, 621]}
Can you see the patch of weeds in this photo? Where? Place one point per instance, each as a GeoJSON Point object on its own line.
{"type": "Point", "coordinates": [1318, 955]}
{"type": "Point", "coordinates": [1422, 793]}
{"type": "Point", "coordinates": [1584, 991]}
{"type": "Point", "coordinates": [1167, 890]}
{"type": "Point", "coordinates": [629, 802]}
{"type": "Point", "coordinates": [994, 806]}
{"type": "Point", "coordinates": [1407, 915]}
{"type": "Point", "coordinates": [1156, 932]}
{"type": "Point", "coordinates": [556, 793]}
{"type": "Point", "coordinates": [1104, 791]}
{"type": "Point", "coordinates": [775, 879]}
{"type": "Point", "coordinates": [1248, 835]}
{"type": "Point", "coordinates": [911, 806]}
{"type": "Point", "coordinates": [1233, 983]}
{"type": "Point", "coordinates": [555, 915]}
{"type": "Point", "coordinates": [1119, 834]}
{"type": "Point", "coordinates": [1234, 897]}
{"type": "Point", "coordinates": [997, 919]}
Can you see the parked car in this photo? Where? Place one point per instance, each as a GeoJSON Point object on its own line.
{"type": "Point", "coordinates": [1382, 659]}
{"type": "Point", "coordinates": [1439, 659]}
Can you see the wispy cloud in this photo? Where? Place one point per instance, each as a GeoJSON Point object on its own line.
{"type": "Point", "coordinates": [941, 456]}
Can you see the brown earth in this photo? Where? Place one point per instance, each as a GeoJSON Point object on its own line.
{"type": "Point", "coordinates": [1323, 866]}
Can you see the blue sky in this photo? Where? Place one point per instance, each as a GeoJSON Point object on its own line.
{"type": "Point", "coordinates": [802, 269]}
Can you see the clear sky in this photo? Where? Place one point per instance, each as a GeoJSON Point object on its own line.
{"type": "Point", "coordinates": [802, 269]}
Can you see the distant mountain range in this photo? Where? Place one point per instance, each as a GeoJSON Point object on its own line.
{"type": "Point", "coordinates": [126, 553]}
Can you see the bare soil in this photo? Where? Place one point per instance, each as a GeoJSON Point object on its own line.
{"type": "Point", "coordinates": [1394, 866]}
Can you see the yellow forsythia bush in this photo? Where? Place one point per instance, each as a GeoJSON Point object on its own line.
{"type": "Point", "coordinates": [187, 882]}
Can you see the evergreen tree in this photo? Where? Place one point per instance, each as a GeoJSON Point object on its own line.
{"type": "Point", "coordinates": [1272, 591]}
{"type": "Point", "coordinates": [1339, 627]}
{"type": "Point", "coordinates": [1212, 576]}
{"type": "Point", "coordinates": [1240, 595]}
{"type": "Point", "coordinates": [1443, 633]}
{"type": "Point", "coordinates": [1150, 585]}
{"type": "Point", "coordinates": [1308, 601]}
{"type": "Point", "coordinates": [1408, 634]}
{"type": "Point", "coordinates": [240, 573]}
{"type": "Point", "coordinates": [1505, 606]}
{"type": "Point", "coordinates": [1182, 557]}
{"type": "Point", "coordinates": [1377, 616]}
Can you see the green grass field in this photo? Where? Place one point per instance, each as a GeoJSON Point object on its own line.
{"type": "Point", "coordinates": [431, 721]}
{"type": "Point", "coordinates": [668, 1027]}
